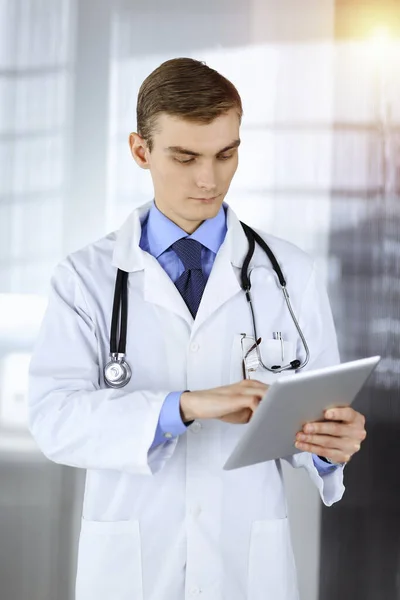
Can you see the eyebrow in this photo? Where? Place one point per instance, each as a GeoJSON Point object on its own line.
{"type": "Point", "coordinates": [180, 150]}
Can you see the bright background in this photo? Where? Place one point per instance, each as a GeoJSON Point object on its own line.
{"type": "Point", "coordinates": [319, 165]}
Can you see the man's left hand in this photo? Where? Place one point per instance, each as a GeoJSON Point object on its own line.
{"type": "Point", "coordinates": [338, 438]}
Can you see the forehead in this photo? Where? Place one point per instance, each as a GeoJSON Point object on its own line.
{"type": "Point", "coordinates": [199, 137]}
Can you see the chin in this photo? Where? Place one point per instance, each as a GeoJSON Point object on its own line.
{"type": "Point", "coordinates": [209, 211]}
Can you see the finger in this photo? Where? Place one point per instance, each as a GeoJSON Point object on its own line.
{"type": "Point", "coordinates": [240, 416]}
{"type": "Point", "coordinates": [345, 445]}
{"type": "Point", "coordinates": [252, 402]}
{"type": "Point", "coordinates": [252, 391]}
{"type": "Point", "coordinates": [254, 383]}
{"type": "Point", "coordinates": [243, 401]}
{"type": "Point", "coordinates": [331, 453]}
{"type": "Point", "coordinates": [335, 429]}
{"type": "Point", "coordinates": [359, 419]}
{"type": "Point", "coordinates": [345, 414]}
{"type": "Point", "coordinates": [245, 387]}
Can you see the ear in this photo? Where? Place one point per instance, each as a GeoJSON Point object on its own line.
{"type": "Point", "coordinates": [139, 150]}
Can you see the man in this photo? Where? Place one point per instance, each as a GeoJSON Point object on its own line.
{"type": "Point", "coordinates": [161, 518]}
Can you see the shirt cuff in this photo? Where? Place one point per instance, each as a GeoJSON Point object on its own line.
{"type": "Point", "coordinates": [322, 466]}
{"type": "Point", "coordinates": [170, 424]}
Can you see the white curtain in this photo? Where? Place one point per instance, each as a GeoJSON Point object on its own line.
{"type": "Point", "coordinates": [35, 65]}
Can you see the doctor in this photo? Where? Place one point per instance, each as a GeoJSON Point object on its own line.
{"type": "Point", "coordinates": [161, 519]}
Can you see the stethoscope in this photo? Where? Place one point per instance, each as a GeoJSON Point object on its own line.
{"type": "Point", "coordinates": [117, 372]}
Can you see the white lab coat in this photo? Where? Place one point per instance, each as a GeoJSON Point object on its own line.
{"type": "Point", "coordinates": [169, 523]}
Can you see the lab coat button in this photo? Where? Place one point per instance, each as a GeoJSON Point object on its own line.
{"type": "Point", "coordinates": [194, 347]}
{"type": "Point", "coordinates": [195, 427]}
{"type": "Point", "coordinates": [195, 591]}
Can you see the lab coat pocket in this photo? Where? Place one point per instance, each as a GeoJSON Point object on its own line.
{"type": "Point", "coordinates": [109, 564]}
{"type": "Point", "coordinates": [273, 352]}
{"type": "Point", "coordinates": [271, 567]}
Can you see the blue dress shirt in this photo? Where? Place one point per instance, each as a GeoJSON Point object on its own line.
{"type": "Point", "coordinates": [158, 234]}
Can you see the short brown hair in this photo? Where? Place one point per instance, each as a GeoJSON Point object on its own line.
{"type": "Point", "coordinates": [186, 88]}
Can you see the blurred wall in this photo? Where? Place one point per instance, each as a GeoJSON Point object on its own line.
{"type": "Point", "coordinates": [36, 497]}
{"type": "Point", "coordinates": [360, 537]}
{"type": "Point", "coordinates": [317, 166]}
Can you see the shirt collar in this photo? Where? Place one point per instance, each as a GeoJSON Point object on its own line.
{"type": "Point", "coordinates": [129, 256]}
{"type": "Point", "coordinates": [162, 232]}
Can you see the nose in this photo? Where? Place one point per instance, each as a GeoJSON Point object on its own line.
{"type": "Point", "coordinates": [206, 179]}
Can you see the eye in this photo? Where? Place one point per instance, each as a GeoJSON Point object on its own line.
{"type": "Point", "coordinates": [184, 162]}
{"type": "Point", "coordinates": [225, 157]}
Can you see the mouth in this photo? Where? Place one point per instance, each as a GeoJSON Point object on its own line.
{"type": "Point", "coordinates": [207, 200]}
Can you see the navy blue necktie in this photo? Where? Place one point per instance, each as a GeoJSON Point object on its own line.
{"type": "Point", "coordinates": [192, 282]}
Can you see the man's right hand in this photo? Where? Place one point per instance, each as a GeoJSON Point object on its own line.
{"type": "Point", "coordinates": [233, 403]}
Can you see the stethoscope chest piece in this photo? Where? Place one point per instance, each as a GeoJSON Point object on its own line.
{"type": "Point", "coordinates": [117, 372]}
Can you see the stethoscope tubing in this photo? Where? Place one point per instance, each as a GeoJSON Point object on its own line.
{"type": "Point", "coordinates": [120, 315]}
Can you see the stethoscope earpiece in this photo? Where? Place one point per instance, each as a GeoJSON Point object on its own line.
{"type": "Point", "coordinates": [295, 364]}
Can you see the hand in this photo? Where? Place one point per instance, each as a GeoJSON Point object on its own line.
{"type": "Point", "coordinates": [338, 438]}
{"type": "Point", "coordinates": [234, 403]}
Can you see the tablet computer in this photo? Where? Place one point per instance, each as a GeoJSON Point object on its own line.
{"type": "Point", "coordinates": [292, 401]}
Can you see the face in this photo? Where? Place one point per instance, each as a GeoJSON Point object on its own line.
{"type": "Point", "coordinates": [191, 165]}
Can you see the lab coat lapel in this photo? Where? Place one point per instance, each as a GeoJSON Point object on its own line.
{"type": "Point", "coordinates": [159, 289]}
{"type": "Point", "coordinates": [224, 280]}
{"type": "Point", "coordinates": [128, 256]}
